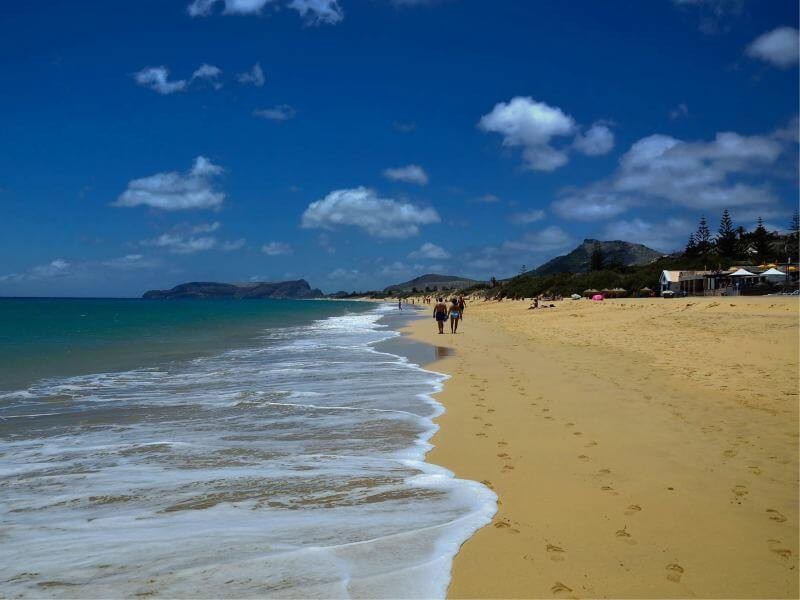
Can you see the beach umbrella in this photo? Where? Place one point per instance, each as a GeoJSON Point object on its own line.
{"type": "Point", "coordinates": [597, 297]}
{"type": "Point", "coordinates": [575, 296]}
{"type": "Point", "coordinates": [773, 272]}
{"type": "Point", "coordinates": [742, 273]}
{"type": "Point", "coordinates": [645, 289]}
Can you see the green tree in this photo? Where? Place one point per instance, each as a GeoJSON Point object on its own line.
{"type": "Point", "coordinates": [760, 239]}
{"type": "Point", "coordinates": [726, 237]}
{"type": "Point", "coordinates": [793, 243]}
{"type": "Point", "coordinates": [703, 238]}
{"type": "Point", "coordinates": [597, 259]}
{"type": "Point", "coordinates": [691, 246]}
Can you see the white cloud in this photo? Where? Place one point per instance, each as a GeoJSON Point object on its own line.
{"type": "Point", "coordinates": [203, 8]}
{"type": "Point", "coordinates": [531, 125]}
{"type": "Point", "coordinates": [209, 73]}
{"type": "Point", "coordinates": [254, 76]}
{"type": "Point", "coordinates": [487, 198]}
{"type": "Point", "coordinates": [589, 205]}
{"type": "Point", "coordinates": [679, 111]}
{"type": "Point", "coordinates": [129, 262]}
{"type": "Point", "coordinates": [344, 274]}
{"type": "Point", "coordinates": [57, 268]}
{"type": "Point", "coordinates": [179, 244]}
{"type": "Point", "coordinates": [324, 241]}
{"type": "Point", "coordinates": [778, 47]}
{"type": "Point", "coordinates": [430, 251]}
{"type": "Point", "coordinates": [276, 249]}
{"type": "Point", "coordinates": [404, 126]}
{"type": "Point", "coordinates": [730, 170]}
{"type": "Point", "coordinates": [532, 248]}
{"type": "Point", "coordinates": [157, 79]}
{"type": "Point", "coordinates": [176, 191]}
{"type": "Point", "coordinates": [527, 217]}
{"type": "Point", "coordinates": [408, 174]}
{"type": "Point", "coordinates": [233, 245]}
{"type": "Point", "coordinates": [361, 207]}
{"type": "Point", "coordinates": [318, 12]}
{"type": "Point", "coordinates": [599, 139]}
{"type": "Point", "coordinates": [667, 236]}
{"type": "Point", "coordinates": [314, 12]}
{"type": "Point", "coordinates": [281, 113]}
{"type": "Point", "coordinates": [205, 227]}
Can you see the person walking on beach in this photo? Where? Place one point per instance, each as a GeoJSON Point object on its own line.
{"type": "Point", "coordinates": [461, 305]}
{"type": "Point", "coordinates": [440, 314]}
{"type": "Point", "coordinates": [399, 304]}
{"type": "Point", "coordinates": [455, 315]}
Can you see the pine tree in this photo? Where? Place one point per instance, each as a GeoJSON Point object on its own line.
{"type": "Point", "coordinates": [691, 246]}
{"type": "Point", "coordinates": [597, 259]}
{"type": "Point", "coordinates": [703, 238]}
{"type": "Point", "coordinates": [726, 238]}
{"type": "Point", "coordinates": [760, 239]}
{"type": "Point", "coordinates": [793, 245]}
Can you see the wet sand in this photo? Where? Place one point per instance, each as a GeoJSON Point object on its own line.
{"type": "Point", "coordinates": [639, 448]}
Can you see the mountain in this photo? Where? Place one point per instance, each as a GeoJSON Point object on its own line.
{"type": "Point", "coordinates": [431, 281]}
{"type": "Point", "coordinates": [614, 252]}
{"type": "Point", "coordinates": [201, 289]}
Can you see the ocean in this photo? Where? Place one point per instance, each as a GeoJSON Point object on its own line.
{"type": "Point", "coordinates": [212, 449]}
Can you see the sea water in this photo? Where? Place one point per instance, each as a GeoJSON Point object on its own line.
{"type": "Point", "coordinates": [262, 449]}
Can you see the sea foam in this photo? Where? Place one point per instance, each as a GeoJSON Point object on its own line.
{"type": "Point", "coordinates": [294, 469]}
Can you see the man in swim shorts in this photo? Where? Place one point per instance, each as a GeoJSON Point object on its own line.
{"type": "Point", "coordinates": [440, 314]}
{"type": "Point", "coordinates": [455, 314]}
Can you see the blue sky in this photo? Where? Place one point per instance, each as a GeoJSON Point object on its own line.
{"type": "Point", "coordinates": [357, 143]}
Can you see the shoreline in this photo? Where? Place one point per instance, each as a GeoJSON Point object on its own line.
{"type": "Point", "coordinates": [625, 461]}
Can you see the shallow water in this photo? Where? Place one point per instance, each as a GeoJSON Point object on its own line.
{"type": "Point", "coordinates": [291, 467]}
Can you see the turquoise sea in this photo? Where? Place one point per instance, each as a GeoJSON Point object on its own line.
{"type": "Point", "coordinates": [214, 448]}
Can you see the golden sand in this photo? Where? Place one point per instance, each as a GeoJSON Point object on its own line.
{"type": "Point", "coordinates": [639, 448]}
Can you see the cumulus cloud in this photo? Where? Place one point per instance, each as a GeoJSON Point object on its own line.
{"type": "Point", "coordinates": [531, 125]}
{"type": "Point", "coordinates": [532, 248]}
{"type": "Point", "coordinates": [728, 171]}
{"type": "Point", "coordinates": [176, 191]}
{"type": "Point", "coordinates": [527, 217]}
{"type": "Point", "coordinates": [341, 274]}
{"type": "Point", "coordinates": [281, 113]}
{"type": "Point", "coordinates": [361, 207]}
{"type": "Point", "coordinates": [679, 111]}
{"type": "Point", "coordinates": [314, 12]}
{"type": "Point", "coordinates": [318, 12]}
{"type": "Point", "coordinates": [233, 245]}
{"type": "Point", "coordinates": [60, 267]}
{"type": "Point", "coordinates": [598, 140]}
{"type": "Point", "coordinates": [157, 79]}
{"type": "Point", "coordinates": [488, 199]}
{"type": "Point", "coordinates": [254, 76]}
{"type": "Point", "coordinates": [667, 236]}
{"type": "Point", "coordinates": [404, 126]}
{"type": "Point", "coordinates": [408, 174]}
{"type": "Point", "coordinates": [429, 251]}
{"type": "Point", "coordinates": [276, 249]}
{"type": "Point", "coordinates": [779, 47]}
{"type": "Point", "coordinates": [209, 73]}
{"type": "Point", "coordinates": [590, 205]}
{"type": "Point", "coordinates": [179, 244]}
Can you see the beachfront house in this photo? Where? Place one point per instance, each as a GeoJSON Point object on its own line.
{"type": "Point", "coordinates": [669, 281]}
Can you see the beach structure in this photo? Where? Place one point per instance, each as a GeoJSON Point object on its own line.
{"type": "Point", "coordinates": [669, 281]}
{"type": "Point", "coordinates": [739, 279]}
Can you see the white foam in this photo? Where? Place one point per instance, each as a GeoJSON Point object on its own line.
{"type": "Point", "coordinates": [295, 469]}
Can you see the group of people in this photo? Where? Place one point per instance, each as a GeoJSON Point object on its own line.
{"type": "Point", "coordinates": [454, 311]}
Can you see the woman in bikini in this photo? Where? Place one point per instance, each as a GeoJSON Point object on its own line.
{"type": "Point", "coordinates": [455, 315]}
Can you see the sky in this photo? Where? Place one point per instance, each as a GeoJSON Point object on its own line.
{"type": "Point", "coordinates": [359, 143]}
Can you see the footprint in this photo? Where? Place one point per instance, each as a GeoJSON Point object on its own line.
{"type": "Point", "coordinates": [623, 533]}
{"type": "Point", "coordinates": [502, 443]}
{"type": "Point", "coordinates": [604, 471]}
{"type": "Point", "coordinates": [633, 509]}
{"type": "Point", "coordinates": [560, 587]}
{"type": "Point", "coordinates": [480, 434]}
{"type": "Point", "coordinates": [584, 457]}
{"type": "Point", "coordinates": [506, 524]}
{"type": "Point", "coordinates": [590, 444]}
{"type": "Point", "coordinates": [674, 572]}
{"type": "Point", "coordinates": [774, 515]}
{"type": "Point", "coordinates": [503, 455]}
{"type": "Point", "coordinates": [508, 468]}
{"type": "Point", "coordinates": [556, 553]}
{"type": "Point", "coordinates": [577, 433]}
{"type": "Point", "coordinates": [487, 483]}
{"type": "Point", "coordinates": [739, 493]}
{"type": "Point", "coordinates": [782, 552]}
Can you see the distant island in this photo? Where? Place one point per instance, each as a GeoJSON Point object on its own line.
{"type": "Point", "coordinates": [298, 289]}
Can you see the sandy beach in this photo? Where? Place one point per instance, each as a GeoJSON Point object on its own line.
{"type": "Point", "coordinates": [639, 448]}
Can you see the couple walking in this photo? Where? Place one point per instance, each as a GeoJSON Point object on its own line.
{"type": "Point", "coordinates": [454, 311]}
